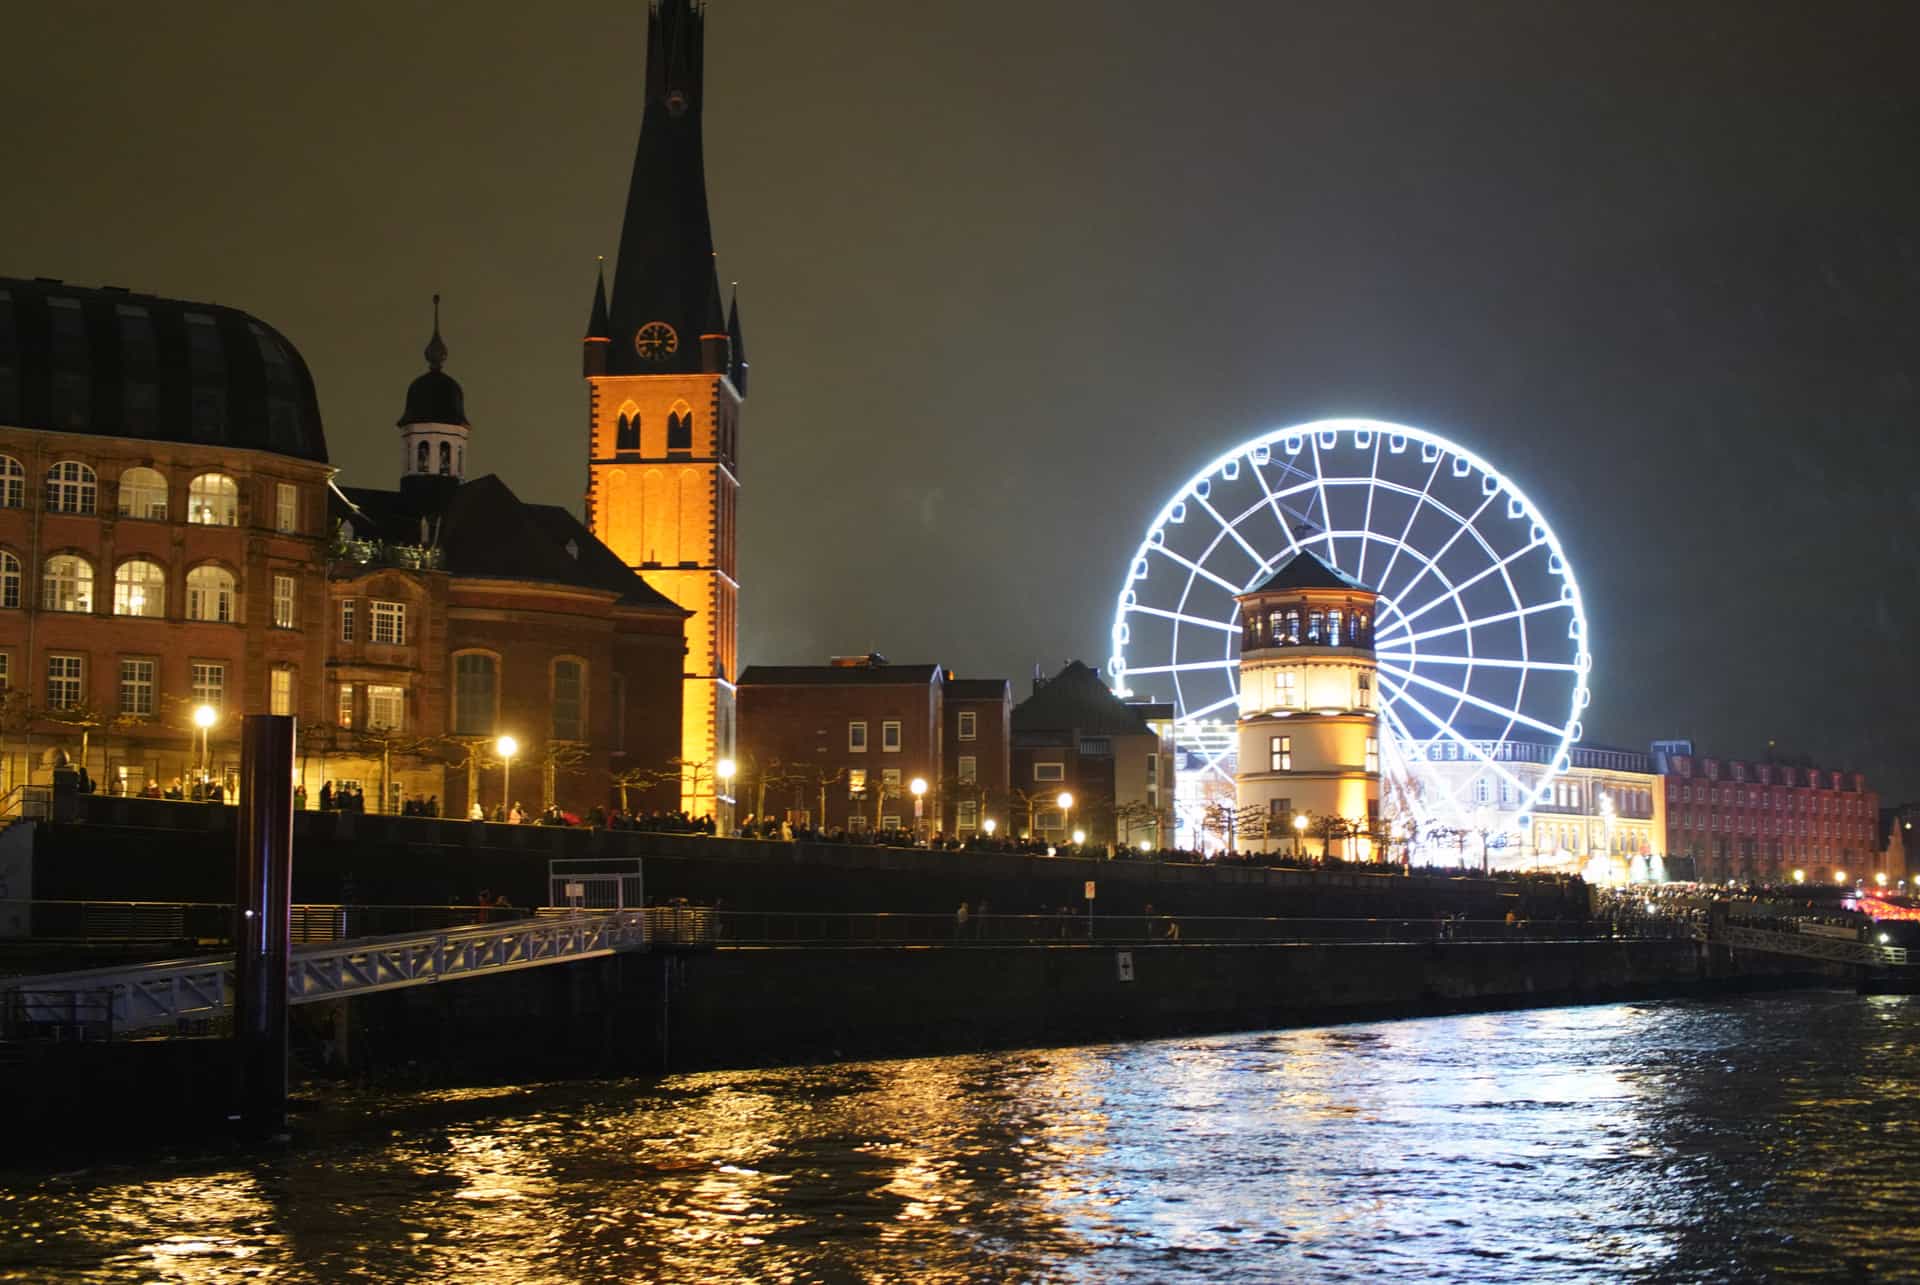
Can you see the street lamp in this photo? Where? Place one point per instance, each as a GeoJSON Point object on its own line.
{"type": "Point", "coordinates": [1799, 876]}
{"type": "Point", "coordinates": [1839, 876]}
{"type": "Point", "coordinates": [1881, 878]}
{"type": "Point", "coordinates": [1299, 832]}
{"type": "Point", "coordinates": [1079, 837]}
{"type": "Point", "coordinates": [1066, 807]}
{"type": "Point", "coordinates": [506, 747]}
{"type": "Point", "coordinates": [204, 717]}
{"type": "Point", "coordinates": [918, 787]}
{"type": "Point", "coordinates": [724, 770]}
{"type": "Point", "coordinates": [989, 825]}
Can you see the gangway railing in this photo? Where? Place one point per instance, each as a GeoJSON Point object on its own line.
{"type": "Point", "coordinates": [1839, 950]}
{"type": "Point", "coordinates": [185, 992]}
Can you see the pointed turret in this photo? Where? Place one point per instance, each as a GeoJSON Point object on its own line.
{"type": "Point", "coordinates": [593, 360]}
{"type": "Point", "coordinates": [739, 372]}
{"type": "Point", "coordinates": [666, 317]}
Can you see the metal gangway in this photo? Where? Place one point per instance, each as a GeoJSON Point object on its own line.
{"type": "Point", "coordinates": [184, 993]}
{"type": "Point", "coordinates": [1839, 950]}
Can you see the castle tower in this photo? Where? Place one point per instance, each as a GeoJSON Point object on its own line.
{"type": "Point", "coordinates": [433, 427]}
{"type": "Point", "coordinates": [666, 373]}
{"type": "Point", "coordinates": [1308, 737]}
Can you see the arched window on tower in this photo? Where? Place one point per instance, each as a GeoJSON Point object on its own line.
{"type": "Point", "coordinates": [1314, 622]}
{"type": "Point", "coordinates": [626, 435]}
{"type": "Point", "coordinates": [420, 459]}
{"type": "Point", "coordinates": [1293, 626]}
{"type": "Point", "coordinates": [446, 458]}
{"type": "Point", "coordinates": [1333, 627]}
{"type": "Point", "coordinates": [680, 428]}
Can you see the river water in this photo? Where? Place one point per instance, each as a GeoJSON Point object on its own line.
{"type": "Point", "coordinates": [1768, 1138]}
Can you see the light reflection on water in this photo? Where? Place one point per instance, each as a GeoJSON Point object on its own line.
{"type": "Point", "coordinates": [1765, 1139]}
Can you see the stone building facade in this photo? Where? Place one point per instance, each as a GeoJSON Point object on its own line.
{"type": "Point", "coordinates": [1761, 820]}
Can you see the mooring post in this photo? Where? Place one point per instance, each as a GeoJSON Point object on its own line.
{"type": "Point", "coordinates": [262, 907]}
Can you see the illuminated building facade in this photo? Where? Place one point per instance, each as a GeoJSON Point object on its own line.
{"type": "Point", "coordinates": [1307, 732]}
{"type": "Point", "coordinates": [1759, 821]}
{"type": "Point", "coordinates": [1604, 817]}
{"type": "Point", "coordinates": [163, 482]}
{"type": "Point", "coordinates": [666, 373]}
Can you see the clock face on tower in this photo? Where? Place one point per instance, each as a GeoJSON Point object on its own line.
{"type": "Point", "coordinates": [656, 341]}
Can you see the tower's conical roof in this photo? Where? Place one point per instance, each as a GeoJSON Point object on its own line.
{"type": "Point", "coordinates": [1305, 570]}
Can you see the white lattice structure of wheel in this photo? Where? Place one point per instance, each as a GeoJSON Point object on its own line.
{"type": "Point", "coordinates": [1481, 637]}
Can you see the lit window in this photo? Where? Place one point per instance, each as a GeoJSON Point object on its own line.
{"type": "Point", "coordinates": [1280, 754]}
{"type": "Point", "coordinates": [210, 595]}
{"type": "Point", "coordinates": [66, 683]}
{"type": "Point", "coordinates": [390, 623]}
{"type": "Point", "coordinates": [967, 815]}
{"type": "Point", "coordinates": [1365, 693]}
{"type": "Point", "coordinates": [346, 705]}
{"type": "Point", "coordinates": [569, 700]}
{"type": "Point", "coordinates": [890, 781]}
{"type": "Point", "coordinates": [1286, 689]}
{"type": "Point", "coordinates": [286, 507]}
{"type": "Point", "coordinates": [9, 580]}
{"type": "Point", "coordinates": [1333, 627]}
{"type": "Point", "coordinates": [13, 483]}
{"type": "Point", "coordinates": [386, 708]}
{"type": "Point", "coordinates": [68, 584]}
{"type": "Point", "coordinates": [1373, 756]}
{"type": "Point", "coordinates": [136, 686]}
{"type": "Point", "coordinates": [346, 621]}
{"type": "Point", "coordinates": [1293, 626]}
{"type": "Point", "coordinates": [209, 683]}
{"type": "Point", "coordinates": [967, 770]}
{"type": "Point", "coordinates": [143, 494]}
{"type": "Point", "coordinates": [475, 685]}
{"type": "Point", "coordinates": [889, 737]}
{"type": "Point", "coordinates": [856, 783]}
{"type": "Point", "coordinates": [967, 724]}
{"type": "Point", "coordinates": [857, 738]}
{"type": "Point", "coordinates": [284, 590]}
{"type": "Point", "coordinates": [1049, 771]}
{"type": "Point", "coordinates": [213, 499]}
{"type": "Point", "coordinates": [280, 691]}
{"type": "Point", "coordinates": [71, 488]}
{"type": "Point", "coordinates": [140, 589]}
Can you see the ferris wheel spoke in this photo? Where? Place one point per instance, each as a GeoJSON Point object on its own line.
{"type": "Point", "coordinates": [1366, 521]}
{"type": "Point", "coordinates": [1465, 525]}
{"type": "Point", "coordinates": [1195, 715]}
{"type": "Point", "coordinates": [1326, 510]}
{"type": "Point", "coordinates": [1516, 614]}
{"type": "Point", "coordinates": [1273, 501]}
{"type": "Point", "coordinates": [1479, 702]}
{"type": "Point", "coordinates": [1454, 591]}
{"type": "Point", "coordinates": [1182, 616]}
{"type": "Point", "coordinates": [1259, 562]}
{"type": "Point", "coordinates": [1446, 729]}
{"type": "Point", "coordinates": [1420, 499]}
{"type": "Point", "coordinates": [1492, 662]}
{"type": "Point", "coordinates": [1196, 568]}
{"type": "Point", "coordinates": [1185, 666]}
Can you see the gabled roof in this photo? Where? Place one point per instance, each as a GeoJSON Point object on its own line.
{"type": "Point", "coordinates": [839, 675]}
{"type": "Point", "coordinates": [486, 532]}
{"type": "Point", "coordinates": [1306, 570]}
{"type": "Point", "coordinates": [978, 689]}
{"type": "Point", "coordinates": [1075, 699]}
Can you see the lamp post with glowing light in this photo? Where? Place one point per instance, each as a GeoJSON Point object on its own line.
{"type": "Point", "coordinates": [506, 747]}
{"type": "Point", "coordinates": [723, 772]}
{"type": "Point", "coordinates": [918, 786]}
{"type": "Point", "coordinates": [1066, 809]}
{"type": "Point", "coordinates": [1839, 876]}
{"type": "Point", "coordinates": [204, 717]}
{"type": "Point", "coordinates": [1299, 832]}
{"type": "Point", "coordinates": [989, 825]}
{"type": "Point", "coordinates": [1799, 876]}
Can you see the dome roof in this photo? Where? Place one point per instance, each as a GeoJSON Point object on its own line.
{"type": "Point", "coordinates": [435, 397]}
{"type": "Point", "coordinates": [111, 362]}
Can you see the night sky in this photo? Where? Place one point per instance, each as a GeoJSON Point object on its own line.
{"type": "Point", "coordinates": [1011, 272]}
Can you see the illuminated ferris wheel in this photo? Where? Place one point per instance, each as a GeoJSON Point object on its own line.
{"type": "Point", "coordinates": [1480, 635]}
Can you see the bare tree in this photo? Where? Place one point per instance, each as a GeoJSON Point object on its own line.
{"type": "Point", "coordinates": [385, 744]}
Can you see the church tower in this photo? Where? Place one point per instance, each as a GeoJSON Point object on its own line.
{"type": "Point", "coordinates": [1308, 735]}
{"type": "Point", "coordinates": [666, 373]}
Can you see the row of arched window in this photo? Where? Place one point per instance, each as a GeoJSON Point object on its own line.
{"type": "Point", "coordinates": [423, 460]}
{"type": "Point", "coordinates": [626, 432]}
{"type": "Point", "coordinates": [139, 588]}
{"type": "Point", "coordinates": [1293, 627]}
{"type": "Point", "coordinates": [213, 499]}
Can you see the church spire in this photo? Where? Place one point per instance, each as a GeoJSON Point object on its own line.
{"type": "Point", "coordinates": [666, 295]}
{"type": "Point", "coordinates": [436, 346]}
{"type": "Point", "coordinates": [738, 344]}
{"type": "Point", "coordinates": [593, 360]}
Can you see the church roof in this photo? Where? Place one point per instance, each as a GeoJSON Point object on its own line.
{"type": "Point", "coordinates": [665, 271]}
{"type": "Point", "coordinates": [1076, 700]}
{"type": "Point", "coordinates": [487, 532]}
{"type": "Point", "coordinates": [112, 362]}
{"type": "Point", "coordinates": [1306, 570]}
{"type": "Point", "coordinates": [838, 675]}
